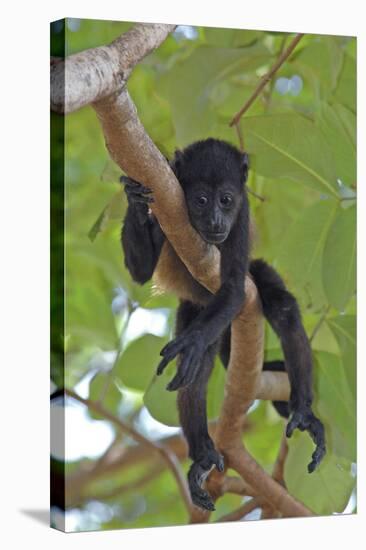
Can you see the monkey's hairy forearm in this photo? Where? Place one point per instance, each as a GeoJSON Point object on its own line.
{"type": "Point", "coordinates": [142, 240]}
{"type": "Point", "coordinates": [220, 311]}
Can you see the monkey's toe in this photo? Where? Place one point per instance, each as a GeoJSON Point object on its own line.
{"type": "Point", "coordinates": [304, 419]}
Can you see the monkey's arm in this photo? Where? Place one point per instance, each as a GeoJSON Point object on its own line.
{"type": "Point", "coordinates": [209, 325]}
{"type": "Point", "coordinates": [142, 237]}
{"type": "Point", "coordinates": [282, 312]}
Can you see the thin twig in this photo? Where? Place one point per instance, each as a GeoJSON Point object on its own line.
{"type": "Point", "coordinates": [240, 137]}
{"type": "Point", "coordinates": [260, 197]}
{"type": "Point", "coordinates": [266, 78]}
{"type": "Point", "coordinates": [271, 84]}
{"type": "Point", "coordinates": [127, 487]}
{"type": "Point", "coordinates": [166, 454]}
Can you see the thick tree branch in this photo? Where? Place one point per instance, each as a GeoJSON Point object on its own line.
{"type": "Point", "coordinates": [93, 74]}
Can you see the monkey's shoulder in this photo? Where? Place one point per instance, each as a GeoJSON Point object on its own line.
{"type": "Point", "coordinates": [171, 275]}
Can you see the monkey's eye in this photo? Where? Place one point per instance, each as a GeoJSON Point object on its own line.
{"type": "Point", "coordinates": [201, 200]}
{"type": "Point", "coordinates": [226, 200]}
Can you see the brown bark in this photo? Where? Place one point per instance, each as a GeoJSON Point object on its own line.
{"type": "Point", "coordinates": [88, 76]}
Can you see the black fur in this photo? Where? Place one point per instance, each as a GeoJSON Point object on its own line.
{"type": "Point", "coordinates": [212, 174]}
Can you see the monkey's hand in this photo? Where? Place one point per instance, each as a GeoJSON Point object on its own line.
{"type": "Point", "coordinates": [197, 474]}
{"type": "Point", "coordinates": [139, 196]}
{"type": "Point", "coordinates": [303, 418]}
{"type": "Point", "coordinates": [191, 347]}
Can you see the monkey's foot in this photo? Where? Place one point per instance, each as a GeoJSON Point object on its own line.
{"type": "Point", "coordinates": [303, 418]}
{"type": "Point", "coordinates": [198, 473]}
{"type": "Point", "coordinates": [191, 347]}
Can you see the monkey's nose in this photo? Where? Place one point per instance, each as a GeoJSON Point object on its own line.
{"type": "Point", "coordinates": [216, 227]}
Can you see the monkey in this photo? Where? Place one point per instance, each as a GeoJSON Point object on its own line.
{"type": "Point", "coordinates": [213, 175]}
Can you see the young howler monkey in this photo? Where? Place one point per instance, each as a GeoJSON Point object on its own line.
{"type": "Point", "coordinates": [212, 174]}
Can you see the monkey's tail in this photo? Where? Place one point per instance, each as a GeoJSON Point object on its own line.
{"type": "Point", "coordinates": [274, 297]}
{"type": "Point", "coordinates": [282, 407]}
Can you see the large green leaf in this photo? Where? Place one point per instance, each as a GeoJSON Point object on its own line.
{"type": "Point", "coordinates": [263, 438]}
{"type": "Point", "coordinates": [114, 210]}
{"type": "Point", "coordinates": [103, 388]}
{"type": "Point", "coordinates": [321, 62]}
{"type": "Point", "coordinates": [345, 91]}
{"type": "Point", "coordinates": [302, 250]}
{"type": "Point", "coordinates": [161, 403]}
{"type": "Point", "coordinates": [230, 37]}
{"type": "Point", "coordinates": [335, 404]}
{"type": "Point", "coordinates": [344, 329]}
{"type": "Point", "coordinates": [290, 146]}
{"type": "Point", "coordinates": [338, 124]}
{"type": "Point", "coordinates": [188, 85]}
{"type": "Point", "coordinates": [139, 361]}
{"type": "Point", "coordinates": [339, 260]}
{"type": "Point", "coordinates": [325, 491]}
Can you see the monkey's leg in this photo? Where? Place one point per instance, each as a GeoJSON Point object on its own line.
{"type": "Point", "coordinates": [282, 312]}
{"type": "Point", "coordinates": [193, 418]}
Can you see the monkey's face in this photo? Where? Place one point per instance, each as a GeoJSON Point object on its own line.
{"type": "Point", "coordinates": [213, 210]}
{"type": "Point", "coordinates": [212, 174]}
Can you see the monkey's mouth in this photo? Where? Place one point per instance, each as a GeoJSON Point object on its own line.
{"type": "Point", "coordinates": [214, 238]}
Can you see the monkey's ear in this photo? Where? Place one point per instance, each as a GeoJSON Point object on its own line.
{"type": "Point", "coordinates": [177, 162]}
{"type": "Point", "coordinates": [245, 166]}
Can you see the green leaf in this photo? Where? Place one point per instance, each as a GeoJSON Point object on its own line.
{"type": "Point", "coordinates": [290, 146]}
{"type": "Point", "coordinates": [344, 329]}
{"type": "Point", "coordinates": [139, 361]}
{"type": "Point", "coordinates": [230, 37]}
{"type": "Point", "coordinates": [103, 388]}
{"type": "Point", "coordinates": [345, 92]}
{"type": "Point", "coordinates": [321, 62]}
{"type": "Point", "coordinates": [264, 437]}
{"type": "Point", "coordinates": [325, 491]}
{"type": "Point", "coordinates": [338, 125]}
{"type": "Point", "coordinates": [161, 403]}
{"type": "Point", "coordinates": [339, 259]}
{"type": "Point", "coordinates": [114, 210]}
{"type": "Point", "coordinates": [335, 404]}
{"type": "Point", "coordinates": [302, 250]}
{"type": "Point", "coordinates": [188, 85]}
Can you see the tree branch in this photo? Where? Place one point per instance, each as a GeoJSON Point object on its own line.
{"type": "Point", "coordinates": [242, 511]}
{"type": "Point", "coordinates": [93, 74]}
{"type": "Point", "coordinates": [266, 78]}
{"type": "Point", "coordinates": [169, 457]}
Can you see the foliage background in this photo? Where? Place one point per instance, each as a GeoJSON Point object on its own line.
{"type": "Point", "coordinates": [301, 137]}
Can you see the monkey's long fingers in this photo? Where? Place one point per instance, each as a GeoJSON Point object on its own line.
{"type": "Point", "coordinates": [162, 365]}
{"type": "Point", "coordinates": [295, 422]}
{"type": "Point", "coordinates": [187, 371]}
{"type": "Point", "coordinates": [172, 348]}
{"type": "Point", "coordinates": [169, 353]}
{"type": "Point", "coordinates": [316, 431]}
